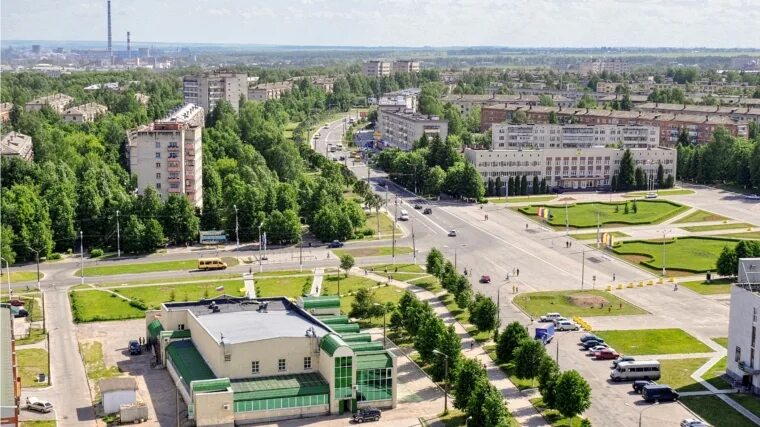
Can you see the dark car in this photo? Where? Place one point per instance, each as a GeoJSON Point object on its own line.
{"type": "Point", "coordinates": [587, 337]}
{"type": "Point", "coordinates": [381, 183]}
{"type": "Point", "coordinates": [417, 206]}
{"type": "Point", "coordinates": [427, 211]}
{"type": "Point", "coordinates": [485, 279]}
{"type": "Point", "coordinates": [135, 348]}
{"type": "Point", "coordinates": [21, 313]}
{"type": "Point", "coordinates": [17, 303]}
{"type": "Point", "coordinates": [658, 393]}
{"type": "Point", "coordinates": [592, 343]}
{"type": "Point", "coordinates": [335, 244]}
{"type": "Point", "coordinates": [367, 414]}
{"type": "Point", "coordinates": [639, 384]}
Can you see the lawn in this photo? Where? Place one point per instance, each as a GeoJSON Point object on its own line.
{"type": "Point", "coordinates": [522, 199]}
{"type": "Point", "coordinates": [714, 375]}
{"type": "Point", "coordinates": [386, 225]}
{"type": "Point", "coordinates": [748, 401]}
{"type": "Point", "coordinates": [38, 423]}
{"type": "Point", "coordinates": [94, 306]}
{"type": "Point", "coordinates": [35, 335]}
{"type": "Point", "coordinates": [21, 276]}
{"type": "Point", "coordinates": [154, 296]}
{"type": "Point", "coordinates": [677, 373]}
{"type": "Point", "coordinates": [653, 341]}
{"type": "Point", "coordinates": [716, 227]}
{"type": "Point", "coordinates": [382, 292]}
{"type": "Point", "coordinates": [584, 215]}
{"type": "Point", "coordinates": [291, 287]}
{"type": "Point", "coordinates": [686, 254]}
{"type": "Point", "coordinates": [575, 303]}
{"type": "Point", "coordinates": [147, 267]}
{"type": "Point", "coordinates": [94, 362]}
{"type": "Point", "coordinates": [463, 317]}
{"type": "Point", "coordinates": [717, 286]}
{"type": "Point", "coordinates": [723, 341]}
{"type": "Point", "coordinates": [701, 216]}
{"type": "Point", "coordinates": [716, 412]}
{"type": "Point", "coordinates": [372, 251]}
{"type": "Point", "coordinates": [750, 235]}
{"type": "Point", "coordinates": [414, 274]}
{"type": "Point", "coordinates": [672, 192]}
{"type": "Point", "coordinates": [592, 236]}
{"type": "Point", "coordinates": [553, 417]}
{"type": "Point", "coordinates": [32, 361]}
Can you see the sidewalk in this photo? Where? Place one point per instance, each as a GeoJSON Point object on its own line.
{"type": "Point", "coordinates": [519, 404]}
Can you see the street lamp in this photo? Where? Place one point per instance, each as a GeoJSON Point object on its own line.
{"type": "Point", "coordinates": [664, 273]}
{"type": "Point", "coordinates": [261, 267]}
{"type": "Point", "coordinates": [81, 255]}
{"type": "Point", "coordinates": [446, 378]}
{"type": "Point", "coordinates": [118, 236]}
{"type": "Point", "coordinates": [37, 253]}
{"type": "Point", "coordinates": [237, 237]}
{"type": "Point", "coordinates": [8, 267]}
{"type": "Point", "coordinates": [385, 309]}
{"type": "Point", "coordinates": [641, 412]}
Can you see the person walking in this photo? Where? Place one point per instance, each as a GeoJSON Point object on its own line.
{"type": "Point", "coordinates": [518, 272]}
{"type": "Point", "coordinates": [613, 277]}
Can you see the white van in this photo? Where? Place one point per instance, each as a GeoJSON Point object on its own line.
{"type": "Point", "coordinates": [340, 147]}
{"type": "Point", "coordinates": [404, 215]}
{"type": "Point", "coordinates": [636, 370]}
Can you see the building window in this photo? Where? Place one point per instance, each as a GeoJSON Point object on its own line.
{"type": "Point", "coordinates": [255, 367]}
{"type": "Point", "coordinates": [228, 357]}
{"type": "Point", "coordinates": [374, 384]}
{"type": "Point", "coordinates": [306, 363]}
{"type": "Point", "coordinates": [343, 377]}
{"type": "Point", "coordinates": [158, 175]}
{"type": "Point", "coordinates": [737, 354]}
{"type": "Point", "coordinates": [158, 165]}
{"type": "Point", "coordinates": [158, 154]}
{"type": "Point", "coordinates": [158, 144]}
{"type": "Point", "coordinates": [181, 326]}
{"type": "Point", "coordinates": [281, 365]}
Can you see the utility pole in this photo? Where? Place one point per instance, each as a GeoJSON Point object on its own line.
{"type": "Point", "coordinates": [261, 268]}
{"type": "Point", "coordinates": [300, 249]}
{"type": "Point", "coordinates": [663, 253]}
{"type": "Point", "coordinates": [446, 377]}
{"type": "Point", "coordinates": [414, 246]}
{"type": "Point", "coordinates": [118, 236]}
{"type": "Point", "coordinates": [237, 237]}
{"type": "Point", "coordinates": [583, 267]}
{"type": "Point", "coordinates": [81, 255]}
{"type": "Point", "coordinates": [567, 221]}
{"type": "Point", "coordinates": [395, 218]}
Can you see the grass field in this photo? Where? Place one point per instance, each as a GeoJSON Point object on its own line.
{"type": "Point", "coordinates": [671, 192]}
{"type": "Point", "coordinates": [382, 292]}
{"type": "Point", "coordinates": [372, 251]}
{"type": "Point", "coordinates": [35, 335]}
{"type": "Point", "coordinates": [748, 401]}
{"type": "Point", "coordinates": [584, 215]}
{"type": "Point", "coordinates": [410, 273]}
{"type": "Point", "coordinates": [553, 417]}
{"type": "Point", "coordinates": [147, 267]}
{"type": "Point", "coordinates": [94, 362]}
{"type": "Point", "coordinates": [718, 286]}
{"type": "Point", "coordinates": [22, 276]}
{"type": "Point", "coordinates": [592, 236]}
{"type": "Point", "coordinates": [750, 235]}
{"type": "Point", "coordinates": [700, 216]}
{"type": "Point", "coordinates": [32, 361]}
{"type": "Point", "coordinates": [93, 306]}
{"type": "Point", "coordinates": [386, 225]}
{"type": "Point", "coordinates": [522, 199]}
{"type": "Point", "coordinates": [716, 227]}
{"type": "Point", "coordinates": [38, 423]}
{"type": "Point", "coordinates": [291, 287]}
{"type": "Point", "coordinates": [716, 412]}
{"type": "Point", "coordinates": [723, 341]}
{"type": "Point", "coordinates": [653, 341]}
{"type": "Point", "coordinates": [714, 375]}
{"type": "Point", "coordinates": [690, 254]}
{"type": "Point", "coordinates": [575, 303]}
{"type": "Point", "coordinates": [677, 373]}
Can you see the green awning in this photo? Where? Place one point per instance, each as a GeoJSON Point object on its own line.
{"type": "Point", "coordinates": [279, 386]}
{"type": "Point", "coordinates": [347, 328]}
{"type": "Point", "coordinates": [332, 342]}
{"type": "Point", "coordinates": [365, 346]}
{"type": "Point", "coordinates": [377, 360]}
{"type": "Point", "coordinates": [208, 386]}
{"type": "Point", "coordinates": [360, 337]}
{"type": "Point", "coordinates": [332, 301]}
{"type": "Point", "coordinates": [333, 320]}
{"type": "Point", "coordinates": [189, 361]}
{"type": "Point", "coordinates": [155, 328]}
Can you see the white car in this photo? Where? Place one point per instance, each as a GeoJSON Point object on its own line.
{"type": "Point", "coordinates": [690, 422]}
{"type": "Point", "coordinates": [567, 325]}
{"type": "Point", "coordinates": [651, 195]}
{"type": "Point", "coordinates": [549, 317]}
{"type": "Point", "coordinates": [752, 197]}
{"type": "Point", "coordinates": [599, 347]}
{"type": "Point", "coordinates": [556, 320]}
{"type": "Point", "coordinates": [38, 405]}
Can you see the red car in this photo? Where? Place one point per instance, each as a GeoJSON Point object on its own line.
{"type": "Point", "coordinates": [17, 303]}
{"type": "Point", "coordinates": [606, 355]}
{"type": "Point", "coordinates": [485, 279]}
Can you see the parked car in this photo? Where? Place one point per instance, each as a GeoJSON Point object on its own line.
{"type": "Point", "coordinates": [621, 359]}
{"type": "Point", "coordinates": [556, 320]}
{"type": "Point", "coordinates": [592, 351]}
{"type": "Point", "coordinates": [606, 354]}
{"type": "Point", "coordinates": [639, 384]}
{"type": "Point", "coordinates": [659, 393]}
{"type": "Point", "coordinates": [452, 233]}
{"type": "Point", "coordinates": [335, 244]}
{"type": "Point", "coordinates": [544, 333]}
{"type": "Point", "coordinates": [592, 343]}
{"type": "Point", "coordinates": [752, 197]}
{"type": "Point", "coordinates": [485, 279]}
{"type": "Point", "coordinates": [367, 414]}
{"type": "Point", "coordinates": [326, 126]}
{"type": "Point", "coordinates": [567, 325]}
{"type": "Point", "coordinates": [417, 206]}
{"type": "Point", "coordinates": [20, 313]}
{"type": "Point", "coordinates": [586, 337]}
{"type": "Point", "coordinates": [38, 405]}
{"type": "Point", "coordinates": [17, 303]}
{"type": "Point", "coordinates": [651, 195]}
{"type": "Point", "coordinates": [382, 183]}
{"type": "Point", "coordinates": [549, 317]}
{"type": "Point", "coordinates": [134, 347]}
{"type": "Point", "coordinates": [427, 211]}
{"type": "Point", "coordinates": [690, 422]}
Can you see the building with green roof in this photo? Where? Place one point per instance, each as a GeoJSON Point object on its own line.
{"type": "Point", "coordinates": [241, 360]}
{"type": "Point", "coordinates": [10, 381]}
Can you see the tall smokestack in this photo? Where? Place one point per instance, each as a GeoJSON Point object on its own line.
{"type": "Point", "coordinates": [109, 26]}
{"type": "Point", "coordinates": [129, 46]}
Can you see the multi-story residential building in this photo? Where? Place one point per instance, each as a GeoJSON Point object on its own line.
{"type": "Point", "coordinates": [14, 144]}
{"type": "Point", "coordinates": [737, 113]}
{"type": "Point", "coordinates": [405, 98]}
{"type": "Point", "coordinates": [10, 380]}
{"type": "Point", "coordinates": [699, 127]}
{"type": "Point", "coordinates": [744, 326]}
{"type": "Point", "coordinates": [84, 113]}
{"type": "Point", "coordinates": [401, 127]}
{"type": "Point", "coordinates": [5, 111]}
{"type": "Point", "coordinates": [702, 87]}
{"type": "Point", "coordinates": [376, 68]}
{"type": "Point", "coordinates": [465, 103]}
{"type": "Point", "coordinates": [58, 102]}
{"type": "Point", "coordinates": [206, 89]}
{"type": "Point", "coordinates": [168, 154]}
{"type": "Point", "coordinates": [599, 65]}
{"type": "Point", "coordinates": [405, 66]}
{"type": "Point", "coordinates": [267, 91]}
{"type": "Point", "coordinates": [575, 168]}
{"type": "Point", "coordinates": [541, 136]}
{"type": "Point", "coordinates": [243, 360]}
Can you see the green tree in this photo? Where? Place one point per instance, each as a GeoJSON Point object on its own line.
{"type": "Point", "coordinates": [464, 298]}
{"type": "Point", "coordinates": [133, 235]}
{"type": "Point", "coordinates": [572, 394]}
{"type": "Point", "coordinates": [527, 358]}
{"type": "Point", "coordinates": [728, 263]}
{"type": "Point", "coordinates": [524, 185]}
{"type": "Point", "coordinates": [428, 336]}
{"type": "Point", "coordinates": [626, 179]}
{"type": "Point", "coordinates": [450, 345]}
{"type": "Point", "coordinates": [153, 235]}
{"type": "Point", "coordinates": [548, 373]}
{"type": "Point", "coordinates": [545, 100]}
{"type": "Point", "coordinates": [660, 176]}
{"type": "Point", "coordinates": [483, 313]}
{"type": "Point", "coordinates": [282, 227]}
{"type": "Point", "coordinates": [747, 249]}
{"type": "Point", "coordinates": [434, 180]}
{"type": "Point", "coordinates": [519, 117]}
{"type": "Point", "coordinates": [6, 250]}
{"type": "Point", "coordinates": [363, 304]}
{"type": "Point", "coordinates": [180, 223]}
{"type": "Point", "coordinates": [346, 263]}
{"type": "Point", "coordinates": [469, 372]}
{"type": "Point", "coordinates": [435, 262]}
{"type": "Point", "coordinates": [535, 185]}
{"type": "Point", "coordinates": [509, 340]}
{"type": "Point", "coordinates": [212, 199]}
{"type": "Point", "coordinates": [683, 137]}
{"type": "Point", "coordinates": [486, 406]}
{"type": "Point", "coordinates": [27, 214]}
{"type": "Point", "coordinates": [511, 186]}
{"type": "Point", "coordinates": [553, 118]}
{"type": "Point", "coordinates": [639, 179]}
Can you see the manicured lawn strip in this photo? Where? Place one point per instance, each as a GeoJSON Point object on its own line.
{"type": "Point", "coordinates": [35, 335]}
{"type": "Point", "coordinates": [382, 292]}
{"type": "Point", "coordinates": [429, 283]}
{"type": "Point", "coordinates": [21, 276]}
{"type": "Point", "coordinates": [715, 227]}
{"type": "Point", "coordinates": [94, 306]}
{"type": "Point", "coordinates": [455, 418]}
{"type": "Point", "coordinates": [539, 303]}
{"type": "Point", "coordinates": [94, 363]}
{"type": "Point", "coordinates": [147, 267]}
{"type": "Point", "coordinates": [508, 369]}
{"type": "Point", "coordinates": [592, 236]}
{"type": "Point", "coordinates": [38, 423]}
{"type": "Point", "coordinates": [653, 341]}
{"type": "Point", "coordinates": [718, 286]}
{"type": "Point", "coordinates": [553, 417]}
{"type": "Point", "coordinates": [291, 287]}
{"type": "Point", "coordinates": [692, 254]}
{"type": "Point", "coordinates": [32, 361]}
{"type": "Point", "coordinates": [673, 192]}
{"type": "Point", "coordinates": [584, 215]}
{"type": "Point", "coordinates": [401, 268]}
{"type": "Point", "coordinates": [722, 341]}
{"type": "Point", "coordinates": [372, 251]}
{"type": "Point", "coordinates": [715, 374]}
{"type": "Point", "coordinates": [280, 273]}
{"type": "Point", "coordinates": [677, 373]}
{"type": "Point", "coordinates": [716, 412]}
{"type": "Point", "coordinates": [750, 235]}
{"type": "Point", "coordinates": [700, 216]}
{"type": "Point", "coordinates": [521, 199]}
{"type": "Point", "coordinates": [463, 317]}
{"type": "Point", "coordinates": [386, 225]}
{"type": "Point", "coordinates": [748, 401]}
{"type": "Point", "coordinates": [154, 296]}
{"type": "Point", "coordinates": [198, 278]}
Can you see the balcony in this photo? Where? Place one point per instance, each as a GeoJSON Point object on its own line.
{"type": "Point", "coordinates": [173, 168]}
{"type": "Point", "coordinates": [174, 190]}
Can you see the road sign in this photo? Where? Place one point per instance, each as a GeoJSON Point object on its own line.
{"type": "Point", "coordinates": [213, 237]}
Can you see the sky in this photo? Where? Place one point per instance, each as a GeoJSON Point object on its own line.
{"type": "Point", "coordinates": [514, 23]}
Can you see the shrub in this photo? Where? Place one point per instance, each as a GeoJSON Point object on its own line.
{"type": "Point", "coordinates": [54, 255]}
{"type": "Point", "coordinates": [96, 253]}
{"type": "Point", "coordinates": [138, 304]}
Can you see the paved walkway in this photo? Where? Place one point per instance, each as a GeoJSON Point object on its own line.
{"type": "Point", "coordinates": [316, 284]}
{"type": "Point", "coordinates": [721, 394]}
{"type": "Point", "coordinates": [519, 404]}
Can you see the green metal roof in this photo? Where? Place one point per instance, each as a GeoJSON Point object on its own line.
{"type": "Point", "coordinates": [347, 328]}
{"type": "Point", "coordinates": [333, 320]}
{"type": "Point", "coordinates": [359, 337]}
{"type": "Point", "coordinates": [365, 346]}
{"type": "Point", "coordinates": [184, 333]}
{"type": "Point", "coordinates": [7, 381]}
{"type": "Point", "coordinates": [155, 328]}
{"type": "Point", "coordinates": [279, 386]}
{"type": "Point", "coordinates": [373, 360]}
{"type": "Point", "coordinates": [331, 301]}
{"type": "Point", "coordinates": [208, 386]}
{"type": "Point", "coordinates": [189, 361]}
{"type": "Point", "coordinates": [331, 342]}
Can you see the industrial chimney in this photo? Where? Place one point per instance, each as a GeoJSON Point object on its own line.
{"type": "Point", "coordinates": [128, 43]}
{"type": "Point", "coordinates": [109, 26]}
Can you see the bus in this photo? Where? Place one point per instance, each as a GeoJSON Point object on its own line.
{"type": "Point", "coordinates": [211, 264]}
{"type": "Point", "coordinates": [636, 370]}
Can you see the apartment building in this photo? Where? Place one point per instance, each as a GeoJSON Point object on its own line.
{"type": "Point", "coordinates": [737, 113]}
{"type": "Point", "coordinates": [5, 111]}
{"type": "Point", "coordinates": [744, 327]}
{"type": "Point", "coordinates": [10, 379]}
{"type": "Point", "coordinates": [542, 136]}
{"type": "Point", "coordinates": [703, 87]}
{"type": "Point", "coordinates": [14, 144]}
{"type": "Point", "coordinates": [267, 91]}
{"type": "Point", "coordinates": [405, 66]}
{"type": "Point", "coordinates": [465, 103]}
{"type": "Point", "coordinates": [206, 89]}
{"type": "Point", "coordinates": [405, 99]}
{"type": "Point", "coordinates": [572, 168]}
{"type": "Point", "coordinates": [167, 154]}
{"type": "Point", "coordinates": [700, 127]}
{"type": "Point", "coordinates": [84, 113]}
{"type": "Point", "coordinates": [599, 65]}
{"type": "Point", "coordinates": [376, 68]}
{"type": "Point", "coordinates": [402, 127]}
{"type": "Point", "coordinates": [244, 360]}
{"type": "Point", "coordinates": [323, 82]}
{"type": "Point", "coordinates": [58, 102]}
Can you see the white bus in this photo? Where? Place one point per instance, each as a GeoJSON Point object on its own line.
{"type": "Point", "coordinates": [636, 370]}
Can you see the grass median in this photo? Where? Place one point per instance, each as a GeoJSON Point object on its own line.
{"type": "Point", "coordinates": [553, 417]}
{"type": "Point", "coordinates": [715, 287]}
{"type": "Point", "coordinates": [522, 199]}
{"type": "Point", "coordinates": [717, 227]}
{"type": "Point", "coordinates": [716, 412]}
{"type": "Point", "coordinates": [372, 251]}
{"type": "Point", "coordinates": [382, 293]}
{"type": "Point", "coordinates": [681, 255]}
{"type": "Point", "coordinates": [653, 341]}
{"type": "Point", "coordinates": [585, 215]}
{"type": "Point", "coordinates": [672, 192]}
{"type": "Point", "coordinates": [32, 361]}
{"type": "Point", "coordinates": [701, 216]}
{"type": "Point", "coordinates": [575, 303]}
{"type": "Point", "coordinates": [147, 267]}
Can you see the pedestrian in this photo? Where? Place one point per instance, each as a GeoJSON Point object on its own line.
{"type": "Point", "coordinates": [526, 225]}
{"type": "Point", "coordinates": [507, 276]}
{"type": "Point", "coordinates": [571, 244]}
{"type": "Point", "coordinates": [513, 288]}
{"type": "Point", "coordinates": [328, 254]}
{"type": "Point", "coordinates": [613, 277]}
{"type": "Point", "coordinates": [396, 269]}
{"type": "Point", "coordinates": [365, 272]}
{"type": "Point", "coordinates": [518, 272]}
{"type": "Point", "coordinates": [675, 286]}
{"type": "Point", "coordinates": [472, 344]}
{"type": "Point", "coordinates": [250, 270]}
{"type": "Point", "coordinates": [552, 243]}
{"type": "Point", "coordinates": [517, 289]}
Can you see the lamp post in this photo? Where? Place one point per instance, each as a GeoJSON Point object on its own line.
{"type": "Point", "coordinates": [37, 256]}
{"type": "Point", "coordinates": [237, 237]}
{"type": "Point", "coordinates": [446, 378]}
{"type": "Point", "coordinates": [641, 412]}
{"type": "Point", "coordinates": [118, 236]}
{"type": "Point", "coordinates": [261, 267]}
{"type": "Point", "coordinates": [395, 218]}
{"type": "Point", "coordinates": [385, 309]}
{"type": "Point", "coordinates": [664, 273]}
{"type": "Point", "coordinates": [81, 256]}
{"type": "Point", "coordinates": [8, 267]}
{"type": "Point", "coordinates": [177, 385]}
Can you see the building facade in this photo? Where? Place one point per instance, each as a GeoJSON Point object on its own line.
{"type": "Point", "coordinates": [240, 360]}
{"type": "Point", "coordinates": [267, 91]}
{"type": "Point", "coordinates": [735, 113]}
{"type": "Point", "coordinates": [405, 66]}
{"type": "Point", "coordinates": [57, 102]}
{"type": "Point", "coordinates": [168, 154]}
{"type": "Point", "coordinates": [10, 381]}
{"type": "Point", "coordinates": [744, 327]}
{"type": "Point", "coordinates": [206, 89]}
{"type": "Point", "coordinates": [376, 68]}
{"type": "Point", "coordinates": [5, 111]}
{"type": "Point", "coordinates": [527, 136]}
{"type": "Point", "coordinates": [401, 127]}
{"type": "Point", "coordinates": [84, 113]}
{"type": "Point", "coordinates": [599, 65]}
{"type": "Point", "coordinates": [466, 103]}
{"type": "Point", "coordinates": [14, 144]}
